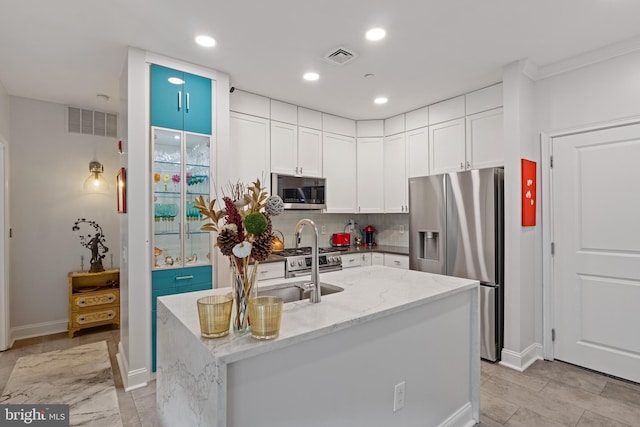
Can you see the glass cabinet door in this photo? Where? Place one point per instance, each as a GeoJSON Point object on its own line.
{"type": "Point", "coordinates": [181, 172]}
{"type": "Point", "coordinates": [197, 183]}
{"type": "Point", "coordinates": [167, 190]}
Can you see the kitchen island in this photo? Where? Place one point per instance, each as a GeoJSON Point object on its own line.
{"type": "Point", "coordinates": [336, 363]}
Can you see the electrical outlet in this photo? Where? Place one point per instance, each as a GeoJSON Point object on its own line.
{"type": "Point", "coordinates": [323, 229]}
{"type": "Point", "coordinates": [402, 229]}
{"type": "Point", "coordinates": [398, 397]}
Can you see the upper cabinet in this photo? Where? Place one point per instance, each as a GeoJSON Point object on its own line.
{"type": "Point", "coordinates": [370, 175]}
{"type": "Point", "coordinates": [180, 100]}
{"type": "Point", "coordinates": [447, 147]}
{"type": "Point", "coordinates": [475, 140]}
{"type": "Point", "coordinates": [339, 160]}
{"type": "Point", "coordinates": [485, 139]}
{"type": "Point", "coordinates": [295, 150]}
{"type": "Point", "coordinates": [395, 174]}
{"type": "Point", "coordinates": [250, 137]}
{"type": "Point", "coordinates": [417, 141]}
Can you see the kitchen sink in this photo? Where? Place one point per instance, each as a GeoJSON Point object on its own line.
{"type": "Point", "coordinates": [296, 291]}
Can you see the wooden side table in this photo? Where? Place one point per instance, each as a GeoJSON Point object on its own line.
{"type": "Point", "coordinates": [94, 299]}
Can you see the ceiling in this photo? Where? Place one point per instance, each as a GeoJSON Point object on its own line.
{"type": "Point", "coordinates": [67, 51]}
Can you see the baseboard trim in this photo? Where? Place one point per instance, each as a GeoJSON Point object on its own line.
{"type": "Point", "coordinates": [463, 417]}
{"type": "Point", "coordinates": [131, 380]}
{"type": "Point", "coordinates": [521, 361]}
{"type": "Point", "coordinates": [37, 330]}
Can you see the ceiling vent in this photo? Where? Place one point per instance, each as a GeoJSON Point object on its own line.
{"type": "Point", "coordinates": [91, 122]}
{"type": "Point", "coordinates": [340, 56]}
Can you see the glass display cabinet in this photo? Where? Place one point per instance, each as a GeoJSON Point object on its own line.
{"type": "Point", "coordinates": [181, 172]}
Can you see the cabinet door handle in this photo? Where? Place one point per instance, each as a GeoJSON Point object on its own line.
{"type": "Point", "coordinates": [461, 165]}
{"type": "Point", "coordinates": [179, 100]}
{"type": "Point", "coordinates": [187, 230]}
{"type": "Point", "coordinates": [188, 103]}
{"type": "Point", "coordinates": [396, 262]}
{"type": "Point", "coordinates": [300, 170]}
{"type": "Point", "coordinates": [183, 277]}
{"type": "Point", "coordinates": [468, 165]}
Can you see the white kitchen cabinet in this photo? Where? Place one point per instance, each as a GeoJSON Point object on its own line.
{"type": "Point", "coordinates": [447, 150]}
{"type": "Point", "coordinates": [377, 258]}
{"type": "Point", "coordinates": [250, 137]}
{"type": "Point", "coordinates": [417, 152]}
{"type": "Point", "coordinates": [249, 103]}
{"type": "Point", "coordinates": [370, 176]}
{"type": "Point", "coordinates": [485, 139]}
{"type": "Point", "coordinates": [351, 260]}
{"type": "Point", "coordinates": [284, 148]}
{"type": "Point", "coordinates": [366, 258]}
{"type": "Point", "coordinates": [295, 150]}
{"type": "Point", "coordinates": [270, 270]}
{"type": "Point", "coordinates": [395, 174]}
{"type": "Point", "coordinates": [309, 152]}
{"type": "Point", "coordinates": [339, 166]}
{"type": "Point", "coordinates": [396, 261]}
{"type": "Point", "coordinates": [394, 125]}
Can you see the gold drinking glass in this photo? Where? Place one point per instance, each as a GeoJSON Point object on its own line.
{"type": "Point", "coordinates": [215, 315]}
{"type": "Point", "coordinates": [265, 314]}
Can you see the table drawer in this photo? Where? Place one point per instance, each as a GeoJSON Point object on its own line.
{"type": "Point", "coordinates": [95, 299]}
{"type": "Point", "coordinates": [95, 317]}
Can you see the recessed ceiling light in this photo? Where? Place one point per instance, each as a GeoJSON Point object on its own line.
{"type": "Point", "coordinates": [205, 41]}
{"type": "Point", "coordinates": [381, 100]}
{"type": "Point", "coordinates": [175, 81]}
{"type": "Point", "coordinates": [375, 34]}
{"type": "Point", "coordinates": [311, 76]}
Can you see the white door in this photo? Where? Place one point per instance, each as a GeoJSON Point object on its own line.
{"type": "Point", "coordinates": [4, 252]}
{"type": "Point", "coordinates": [596, 230]}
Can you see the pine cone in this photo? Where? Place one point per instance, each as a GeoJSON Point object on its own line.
{"type": "Point", "coordinates": [227, 239]}
{"type": "Point", "coordinates": [262, 246]}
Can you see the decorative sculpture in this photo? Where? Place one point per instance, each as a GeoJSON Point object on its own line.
{"type": "Point", "coordinates": [94, 242]}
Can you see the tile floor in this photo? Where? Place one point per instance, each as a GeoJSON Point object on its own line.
{"type": "Point", "coordinates": [548, 394]}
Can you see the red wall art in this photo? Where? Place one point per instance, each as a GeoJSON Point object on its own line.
{"type": "Point", "coordinates": [528, 193]}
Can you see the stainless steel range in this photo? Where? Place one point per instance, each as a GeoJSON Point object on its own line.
{"type": "Point", "coordinates": [298, 261]}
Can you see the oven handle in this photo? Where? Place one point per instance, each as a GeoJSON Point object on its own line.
{"type": "Point", "coordinates": [308, 272]}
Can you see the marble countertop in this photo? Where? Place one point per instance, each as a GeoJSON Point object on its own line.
{"type": "Point", "coordinates": [369, 293]}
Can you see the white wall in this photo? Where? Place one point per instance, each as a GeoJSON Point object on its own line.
{"type": "Point", "coordinates": [523, 260]}
{"type": "Point", "coordinates": [601, 92]}
{"type": "Point", "coordinates": [48, 169]}
{"type": "Point", "coordinates": [4, 113]}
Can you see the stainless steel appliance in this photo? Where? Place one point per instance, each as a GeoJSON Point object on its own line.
{"type": "Point", "coordinates": [456, 228]}
{"type": "Point", "coordinates": [299, 192]}
{"type": "Point", "coordinates": [298, 261]}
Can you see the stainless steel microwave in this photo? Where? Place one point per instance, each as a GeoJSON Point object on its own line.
{"type": "Point", "coordinates": [299, 192]}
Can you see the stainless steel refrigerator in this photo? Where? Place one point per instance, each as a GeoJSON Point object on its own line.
{"type": "Point", "coordinates": [456, 228]}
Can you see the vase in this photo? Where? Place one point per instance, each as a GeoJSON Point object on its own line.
{"type": "Point", "coordinates": [243, 289]}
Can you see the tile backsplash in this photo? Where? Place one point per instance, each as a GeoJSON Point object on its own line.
{"type": "Point", "coordinates": [391, 229]}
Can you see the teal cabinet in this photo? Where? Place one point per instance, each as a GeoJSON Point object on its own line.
{"type": "Point", "coordinates": [170, 282]}
{"type": "Point", "coordinates": [180, 100]}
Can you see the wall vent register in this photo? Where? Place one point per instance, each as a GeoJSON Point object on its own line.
{"type": "Point", "coordinates": [91, 122]}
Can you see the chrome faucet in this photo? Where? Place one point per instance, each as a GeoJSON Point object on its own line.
{"type": "Point", "coordinates": [315, 263]}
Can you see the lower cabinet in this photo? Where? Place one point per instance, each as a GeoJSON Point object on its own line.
{"type": "Point", "coordinates": [352, 260]}
{"type": "Point", "coordinates": [377, 258]}
{"type": "Point", "coordinates": [270, 270]}
{"type": "Point", "coordinates": [175, 281]}
{"type": "Point", "coordinates": [397, 261]}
